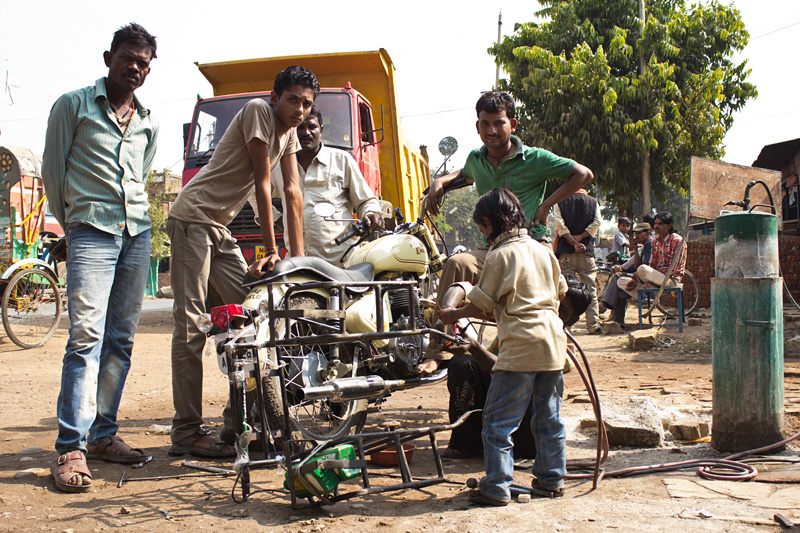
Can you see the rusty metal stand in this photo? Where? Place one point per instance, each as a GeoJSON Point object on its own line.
{"type": "Point", "coordinates": [366, 444]}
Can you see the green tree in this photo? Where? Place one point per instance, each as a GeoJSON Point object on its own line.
{"type": "Point", "coordinates": [159, 240]}
{"type": "Point", "coordinates": [456, 216]}
{"type": "Point", "coordinates": [582, 93]}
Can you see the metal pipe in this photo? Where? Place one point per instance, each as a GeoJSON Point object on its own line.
{"type": "Point", "coordinates": [346, 337]}
{"type": "Point", "coordinates": [359, 387]}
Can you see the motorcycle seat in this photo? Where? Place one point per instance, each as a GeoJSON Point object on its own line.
{"type": "Point", "coordinates": [318, 267]}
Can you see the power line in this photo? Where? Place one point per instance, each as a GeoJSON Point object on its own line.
{"type": "Point", "coordinates": [21, 108]}
{"type": "Point", "coordinates": [778, 115]}
{"type": "Point", "coordinates": [435, 112]}
{"type": "Point", "coordinates": [775, 31]}
{"type": "Point", "coordinates": [22, 119]}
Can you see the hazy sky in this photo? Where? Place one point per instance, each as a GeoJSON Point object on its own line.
{"type": "Point", "coordinates": [48, 47]}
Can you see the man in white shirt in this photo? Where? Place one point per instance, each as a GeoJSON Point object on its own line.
{"type": "Point", "coordinates": [332, 176]}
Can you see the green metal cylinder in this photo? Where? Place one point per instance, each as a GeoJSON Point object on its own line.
{"type": "Point", "coordinates": [747, 333]}
{"type": "Point", "coordinates": [746, 246]}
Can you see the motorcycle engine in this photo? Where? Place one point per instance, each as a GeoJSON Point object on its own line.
{"type": "Point", "coordinates": [407, 351]}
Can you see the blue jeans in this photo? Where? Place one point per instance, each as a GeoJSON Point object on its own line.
{"type": "Point", "coordinates": [106, 280]}
{"type": "Point", "coordinates": [506, 402]}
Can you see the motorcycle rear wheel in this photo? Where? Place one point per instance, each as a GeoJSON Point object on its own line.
{"type": "Point", "coordinates": [320, 419]}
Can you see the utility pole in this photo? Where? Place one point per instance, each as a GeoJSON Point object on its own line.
{"type": "Point", "coordinates": [497, 66]}
{"type": "Point", "coordinates": [646, 155]}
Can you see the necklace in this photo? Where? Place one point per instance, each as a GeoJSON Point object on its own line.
{"type": "Point", "coordinates": [502, 156]}
{"type": "Point", "coordinates": [126, 117]}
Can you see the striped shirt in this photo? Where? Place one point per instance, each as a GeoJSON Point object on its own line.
{"type": "Point", "coordinates": [663, 252]}
{"type": "Point", "coordinates": [94, 170]}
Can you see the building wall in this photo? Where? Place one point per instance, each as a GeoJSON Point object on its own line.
{"type": "Point", "coordinates": [700, 262]}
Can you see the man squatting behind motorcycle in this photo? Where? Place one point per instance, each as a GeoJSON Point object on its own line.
{"type": "Point", "coordinates": [260, 136]}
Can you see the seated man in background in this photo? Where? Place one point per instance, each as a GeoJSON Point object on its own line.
{"type": "Point", "coordinates": [469, 373]}
{"type": "Point", "coordinates": [329, 175]}
{"type": "Point", "coordinates": [615, 299]}
{"type": "Point", "coordinates": [665, 247]}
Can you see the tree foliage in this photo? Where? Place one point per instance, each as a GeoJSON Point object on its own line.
{"type": "Point", "coordinates": [455, 217]}
{"type": "Point", "coordinates": [159, 240]}
{"type": "Point", "coordinates": [581, 93]}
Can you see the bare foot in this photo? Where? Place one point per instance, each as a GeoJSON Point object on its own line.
{"type": "Point", "coordinates": [428, 366]}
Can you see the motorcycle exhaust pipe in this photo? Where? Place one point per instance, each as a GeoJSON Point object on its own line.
{"type": "Point", "coordinates": [359, 387]}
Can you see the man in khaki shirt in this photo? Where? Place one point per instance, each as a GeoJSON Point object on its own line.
{"type": "Point", "coordinates": [203, 250]}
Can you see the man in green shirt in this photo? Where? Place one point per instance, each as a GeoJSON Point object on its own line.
{"type": "Point", "coordinates": [503, 161]}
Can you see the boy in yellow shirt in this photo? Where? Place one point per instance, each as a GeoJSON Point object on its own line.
{"type": "Point", "coordinates": [521, 284]}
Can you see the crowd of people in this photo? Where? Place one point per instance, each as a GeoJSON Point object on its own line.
{"type": "Point", "coordinates": [99, 149]}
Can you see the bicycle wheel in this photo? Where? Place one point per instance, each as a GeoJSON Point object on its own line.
{"type": "Point", "coordinates": [601, 280]}
{"type": "Point", "coordinates": [667, 304]}
{"type": "Point", "coordinates": [31, 307]}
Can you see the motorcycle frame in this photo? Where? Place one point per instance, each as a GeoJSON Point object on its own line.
{"type": "Point", "coordinates": [236, 377]}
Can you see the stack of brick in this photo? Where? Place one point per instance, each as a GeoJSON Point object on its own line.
{"type": "Point", "coordinates": [700, 262]}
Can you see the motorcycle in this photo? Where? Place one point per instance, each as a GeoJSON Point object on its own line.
{"type": "Point", "coordinates": [313, 345]}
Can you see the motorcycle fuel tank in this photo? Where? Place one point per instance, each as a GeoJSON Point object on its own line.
{"type": "Point", "coordinates": [362, 317]}
{"type": "Point", "coordinates": [393, 253]}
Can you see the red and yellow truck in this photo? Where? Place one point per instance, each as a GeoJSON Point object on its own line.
{"type": "Point", "coordinates": [358, 103]}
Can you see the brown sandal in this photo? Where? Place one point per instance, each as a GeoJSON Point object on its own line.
{"type": "Point", "coordinates": [115, 450]}
{"type": "Point", "coordinates": [202, 444]}
{"type": "Point", "coordinates": [67, 468]}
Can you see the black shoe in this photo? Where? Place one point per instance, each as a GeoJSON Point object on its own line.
{"type": "Point", "coordinates": [477, 497]}
{"type": "Point", "coordinates": [538, 490]}
{"type": "Point", "coordinates": [598, 331]}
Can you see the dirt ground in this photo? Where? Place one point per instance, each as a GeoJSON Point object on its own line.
{"type": "Point", "coordinates": [676, 377]}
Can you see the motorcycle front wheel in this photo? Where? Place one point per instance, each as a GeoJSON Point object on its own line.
{"type": "Point", "coordinates": [318, 419]}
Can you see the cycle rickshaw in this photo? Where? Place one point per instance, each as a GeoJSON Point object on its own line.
{"type": "Point", "coordinates": [30, 285]}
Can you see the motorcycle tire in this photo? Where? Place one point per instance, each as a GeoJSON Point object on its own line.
{"type": "Point", "coordinates": [320, 419]}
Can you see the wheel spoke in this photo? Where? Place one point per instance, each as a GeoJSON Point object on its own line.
{"type": "Point", "coordinates": [318, 418]}
{"type": "Point", "coordinates": [31, 307]}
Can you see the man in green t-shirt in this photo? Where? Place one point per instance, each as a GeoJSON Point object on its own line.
{"type": "Point", "coordinates": [503, 161]}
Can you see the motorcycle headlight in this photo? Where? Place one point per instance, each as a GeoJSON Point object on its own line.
{"type": "Point", "coordinates": [263, 308]}
{"type": "Point", "coordinates": [204, 323]}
